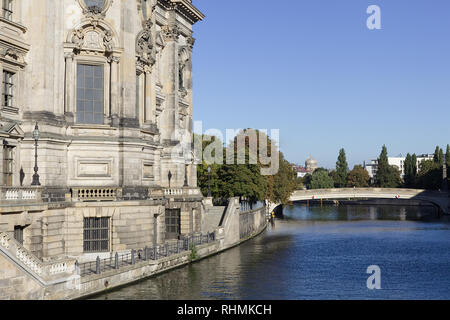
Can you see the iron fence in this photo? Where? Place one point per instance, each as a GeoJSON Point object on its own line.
{"type": "Point", "coordinates": [148, 253]}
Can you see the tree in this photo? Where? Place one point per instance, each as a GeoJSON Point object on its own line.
{"type": "Point", "coordinates": [321, 180]}
{"type": "Point", "coordinates": [341, 169]}
{"type": "Point", "coordinates": [299, 183]}
{"type": "Point", "coordinates": [414, 166]}
{"type": "Point", "coordinates": [447, 155]}
{"type": "Point", "coordinates": [358, 177]}
{"type": "Point", "coordinates": [430, 175]}
{"type": "Point", "coordinates": [387, 176]}
{"type": "Point", "coordinates": [336, 179]}
{"type": "Point", "coordinates": [246, 180]}
{"type": "Point", "coordinates": [243, 180]}
{"type": "Point", "coordinates": [438, 156]}
{"type": "Point", "coordinates": [410, 170]}
{"type": "Point", "coordinates": [203, 176]}
{"type": "Point", "coordinates": [307, 180]}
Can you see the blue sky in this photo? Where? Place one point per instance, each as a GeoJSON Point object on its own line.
{"type": "Point", "coordinates": [312, 69]}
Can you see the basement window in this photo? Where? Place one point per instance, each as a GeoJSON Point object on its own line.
{"type": "Point", "coordinates": [18, 234]}
{"type": "Point", "coordinates": [96, 235]}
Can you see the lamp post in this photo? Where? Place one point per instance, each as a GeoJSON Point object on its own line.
{"type": "Point", "coordinates": [209, 181]}
{"type": "Point", "coordinates": [36, 135]}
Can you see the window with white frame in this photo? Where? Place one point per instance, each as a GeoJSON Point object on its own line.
{"type": "Point", "coordinates": [90, 94]}
{"type": "Point", "coordinates": [8, 88]}
{"type": "Point", "coordinates": [7, 8]}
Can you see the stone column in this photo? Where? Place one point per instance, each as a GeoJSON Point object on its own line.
{"type": "Point", "coordinates": [69, 108]}
{"type": "Point", "coordinates": [149, 108]}
{"type": "Point", "coordinates": [169, 117]}
{"type": "Point", "coordinates": [115, 94]}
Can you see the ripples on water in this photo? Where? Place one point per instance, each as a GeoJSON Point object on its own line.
{"type": "Point", "coordinates": [320, 253]}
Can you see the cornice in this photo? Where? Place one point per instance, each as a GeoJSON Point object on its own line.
{"type": "Point", "coordinates": [183, 7]}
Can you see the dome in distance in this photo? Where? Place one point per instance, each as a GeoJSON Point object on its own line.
{"type": "Point", "coordinates": [311, 164]}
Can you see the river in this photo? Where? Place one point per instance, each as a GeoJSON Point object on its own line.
{"type": "Point", "coordinates": [319, 253]}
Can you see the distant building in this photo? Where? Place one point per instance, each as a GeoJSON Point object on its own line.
{"type": "Point", "coordinates": [309, 168]}
{"type": "Point", "coordinates": [398, 161]}
{"type": "Point", "coordinates": [311, 164]}
{"type": "Point", "coordinates": [302, 171]}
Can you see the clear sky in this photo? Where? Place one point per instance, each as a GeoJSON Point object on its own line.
{"type": "Point", "coordinates": [313, 69]}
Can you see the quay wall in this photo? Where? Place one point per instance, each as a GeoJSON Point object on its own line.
{"type": "Point", "coordinates": [20, 283]}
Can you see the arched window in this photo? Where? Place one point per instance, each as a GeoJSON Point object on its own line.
{"type": "Point", "coordinates": [91, 73]}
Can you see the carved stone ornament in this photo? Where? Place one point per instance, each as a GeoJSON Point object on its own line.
{"type": "Point", "coordinates": [170, 32]}
{"type": "Point", "coordinates": [145, 48]}
{"type": "Point", "coordinates": [108, 41]}
{"type": "Point", "coordinates": [78, 38]}
{"type": "Point", "coordinates": [190, 42]}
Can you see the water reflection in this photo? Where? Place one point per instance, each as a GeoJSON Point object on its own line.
{"type": "Point", "coordinates": [358, 212]}
{"type": "Point", "coordinates": [320, 253]}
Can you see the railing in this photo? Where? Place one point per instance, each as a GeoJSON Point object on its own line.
{"type": "Point", "coordinates": [44, 270]}
{"type": "Point", "coordinates": [148, 253]}
{"type": "Point", "coordinates": [182, 192]}
{"type": "Point", "coordinates": [95, 194]}
{"type": "Point", "coordinates": [20, 193]}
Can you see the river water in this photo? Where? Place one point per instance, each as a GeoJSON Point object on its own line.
{"type": "Point", "coordinates": [320, 253]}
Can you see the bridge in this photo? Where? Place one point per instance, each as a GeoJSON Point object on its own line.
{"type": "Point", "coordinates": [437, 198]}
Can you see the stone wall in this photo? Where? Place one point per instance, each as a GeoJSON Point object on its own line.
{"type": "Point", "coordinates": [15, 284]}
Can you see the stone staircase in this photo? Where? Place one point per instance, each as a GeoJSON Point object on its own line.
{"type": "Point", "coordinates": [21, 263]}
{"type": "Point", "coordinates": [212, 218]}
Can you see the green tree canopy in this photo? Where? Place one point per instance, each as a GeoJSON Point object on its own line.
{"type": "Point", "coordinates": [410, 170]}
{"type": "Point", "coordinates": [284, 182]}
{"type": "Point", "coordinates": [321, 180]}
{"type": "Point", "coordinates": [246, 180]}
{"type": "Point", "coordinates": [341, 169]}
{"type": "Point", "coordinates": [438, 156]}
{"type": "Point", "coordinates": [387, 176]}
{"type": "Point", "coordinates": [430, 175]}
{"type": "Point", "coordinates": [358, 177]}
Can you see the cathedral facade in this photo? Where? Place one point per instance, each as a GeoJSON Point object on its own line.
{"type": "Point", "coordinates": [107, 85]}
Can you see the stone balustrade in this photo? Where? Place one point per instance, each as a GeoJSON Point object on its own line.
{"type": "Point", "coordinates": [96, 194]}
{"type": "Point", "coordinates": [182, 192]}
{"type": "Point", "coordinates": [30, 262]}
{"type": "Point", "coordinates": [20, 194]}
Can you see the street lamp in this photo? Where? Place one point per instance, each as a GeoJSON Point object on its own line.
{"type": "Point", "coordinates": [209, 181]}
{"type": "Point", "coordinates": [36, 135]}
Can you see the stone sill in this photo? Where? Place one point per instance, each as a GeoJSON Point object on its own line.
{"type": "Point", "coordinates": [14, 24]}
{"type": "Point", "coordinates": [93, 126]}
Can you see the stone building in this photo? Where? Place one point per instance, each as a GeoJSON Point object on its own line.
{"type": "Point", "coordinates": [109, 84]}
{"type": "Point", "coordinates": [311, 164]}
